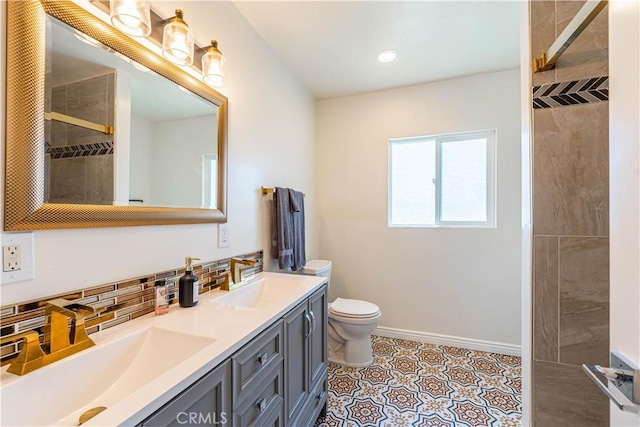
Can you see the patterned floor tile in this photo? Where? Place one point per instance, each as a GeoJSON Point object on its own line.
{"type": "Point", "coordinates": [425, 385]}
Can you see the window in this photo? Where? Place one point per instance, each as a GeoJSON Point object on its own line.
{"type": "Point", "coordinates": [442, 180]}
{"type": "Point", "coordinates": [209, 180]}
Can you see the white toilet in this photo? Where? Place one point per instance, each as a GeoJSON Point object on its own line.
{"type": "Point", "coordinates": [351, 323]}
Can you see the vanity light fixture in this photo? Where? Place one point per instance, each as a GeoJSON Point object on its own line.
{"type": "Point", "coordinates": [132, 17]}
{"type": "Point", "coordinates": [387, 55]}
{"type": "Point", "coordinates": [177, 40]}
{"type": "Point", "coordinates": [213, 66]}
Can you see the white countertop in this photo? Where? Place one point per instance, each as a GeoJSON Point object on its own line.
{"type": "Point", "coordinates": [229, 326]}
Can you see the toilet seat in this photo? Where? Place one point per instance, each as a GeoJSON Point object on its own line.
{"type": "Point", "coordinates": [353, 309]}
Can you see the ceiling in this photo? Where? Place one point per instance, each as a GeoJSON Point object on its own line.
{"type": "Point", "coordinates": [332, 46]}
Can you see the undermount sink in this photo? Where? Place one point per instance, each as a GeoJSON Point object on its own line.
{"type": "Point", "coordinates": [100, 376]}
{"type": "Point", "coordinates": [262, 293]}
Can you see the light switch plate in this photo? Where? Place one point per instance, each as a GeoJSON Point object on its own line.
{"type": "Point", "coordinates": [223, 235]}
{"type": "Point", "coordinates": [25, 261]}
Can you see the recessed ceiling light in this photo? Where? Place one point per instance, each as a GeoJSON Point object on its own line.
{"type": "Point", "coordinates": [387, 55]}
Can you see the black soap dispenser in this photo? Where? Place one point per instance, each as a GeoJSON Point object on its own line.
{"type": "Point", "coordinates": [188, 290]}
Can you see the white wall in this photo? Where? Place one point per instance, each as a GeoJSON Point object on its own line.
{"type": "Point", "coordinates": [178, 167]}
{"type": "Point", "coordinates": [624, 189]}
{"type": "Point", "coordinates": [271, 142]}
{"type": "Point", "coordinates": [457, 282]}
{"type": "Point", "coordinates": [141, 160]}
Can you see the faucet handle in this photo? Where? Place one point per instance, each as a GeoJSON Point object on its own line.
{"type": "Point", "coordinates": [30, 352]}
{"type": "Point", "coordinates": [228, 281]}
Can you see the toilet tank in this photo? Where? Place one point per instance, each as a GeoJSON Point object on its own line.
{"type": "Point", "coordinates": [318, 267]}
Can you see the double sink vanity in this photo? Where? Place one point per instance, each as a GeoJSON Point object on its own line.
{"type": "Point", "coordinates": [256, 355]}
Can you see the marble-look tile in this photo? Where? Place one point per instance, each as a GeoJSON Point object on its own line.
{"type": "Point", "coordinates": [87, 99]}
{"type": "Point", "coordinates": [545, 301]}
{"type": "Point", "coordinates": [48, 92]}
{"type": "Point", "coordinates": [588, 55]}
{"type": "Point", "coordinates": [564, 396]}
{"type": "Point", "coordinates": [58, 130]}
{"type": "Point", "coordinates": [67, 180]}
{"type": "Point", "coordinates": [58, 133]}
{"type": "Point", "coordinates": [584, 300]}
{"type": "Point", "coordinates": [79, 135]}
{"type": "Point", "coordinates": [543, 34]}
{"type": "Point", "coordinates": [47, 179]}
{"type": "Point", "coordinates": [99, 189]}
{"type": "Point", "coordinates": [59, 99]}
{"type": "Point", "coordinates": [571, 170]}
{"type": "Point", "coordinates": [47, 132]}
{"type": "Point", "coordinates": [111, 98]}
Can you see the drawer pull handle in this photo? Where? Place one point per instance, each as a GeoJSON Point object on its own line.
{"type": "Point", "coordinates": [262, 358]}
{"type": "Point", "coordinates": [261, 404]}
{"type": "Point", "coordinates": [320, 395]}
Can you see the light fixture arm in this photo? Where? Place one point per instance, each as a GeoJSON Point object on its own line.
{"type": "Point", "coordinates": [178, 17]}
{"type": "Point", "coordinates": [213, 47]}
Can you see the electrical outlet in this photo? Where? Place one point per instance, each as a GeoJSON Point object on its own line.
{"type": "Point", "coordinates": [223, 235]}
{"type": "Point", "coordinates": [17, 257]}
{"type": "Point", "coordinates": [11, 258]}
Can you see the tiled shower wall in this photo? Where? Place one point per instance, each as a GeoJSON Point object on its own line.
{"type": "Point", "coordinates": [570, 220]}
{"type": "Point", "coordinates": [123, 301]}
{"type": "Point", "coordinates": [79, 161]}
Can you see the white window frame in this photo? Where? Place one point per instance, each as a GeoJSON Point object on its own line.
{"type": "Point", "coordinates": [490, 136]}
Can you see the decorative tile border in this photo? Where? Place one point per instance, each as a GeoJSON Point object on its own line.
{"type": "Point", "coordinates": [80, 150]}
{"type": "Point", "coordinates": [124, 300]}
{"type": "Point", "coordinates": [571, 93]}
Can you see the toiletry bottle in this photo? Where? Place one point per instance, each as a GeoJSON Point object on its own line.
{"type": "Point", "coordinates": [162, 296]}
{"type": "Point", "coordinates": [188, 291]}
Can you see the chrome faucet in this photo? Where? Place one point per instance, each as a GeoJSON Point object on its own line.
{"type": "Point", "coordinates": [59, 340]}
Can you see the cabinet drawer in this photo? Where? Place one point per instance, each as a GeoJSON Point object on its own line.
{"type": "Point", "coordinates": [262, 400]}
{"type": "Point", "coordinates": [207, 401]}
{"type": "Point", "coordinates": [275, 418]}
{"type": "Point", "coordinates": [252, 362]}
{"type": "Point", "coordinates": [314, 405]}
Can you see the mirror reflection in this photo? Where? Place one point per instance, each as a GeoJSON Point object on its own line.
{"type": "Point", "coordinates": [117, 133]}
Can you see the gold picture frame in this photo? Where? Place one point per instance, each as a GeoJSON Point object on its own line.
{"type": "Point", "coordinates": [24, 204]}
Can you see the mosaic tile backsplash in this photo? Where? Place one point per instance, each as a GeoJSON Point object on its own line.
{"type": "Point", "coordinates": [124, 300]}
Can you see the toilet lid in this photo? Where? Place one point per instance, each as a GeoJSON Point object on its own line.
{"type": "Point", "coordinates": [354, 308]}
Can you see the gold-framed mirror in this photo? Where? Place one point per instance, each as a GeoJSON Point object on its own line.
{"type": "Point", "coordinates": [28, 206]}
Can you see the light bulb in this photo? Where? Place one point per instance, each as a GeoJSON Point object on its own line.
{"type": "Point", "coordinates": [213, 66]}
{"type": "Point", "coordinates": [131, 17]}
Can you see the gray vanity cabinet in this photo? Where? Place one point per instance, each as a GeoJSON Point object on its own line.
{"type": "Point", "coordinates": [206, 402]}
{"type": "Point", "coordinates": [277, 379]}
{"type": "Point", "coordinates": [306, 360]}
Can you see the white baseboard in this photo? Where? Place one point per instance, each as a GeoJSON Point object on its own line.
{"type": "Point", "coordinates": [468, 343]}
